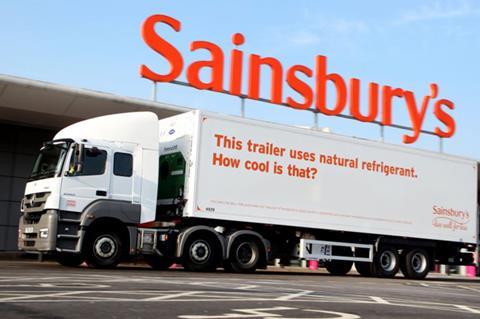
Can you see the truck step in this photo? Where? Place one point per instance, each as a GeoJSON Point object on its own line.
{"type": "Point", "coordinates": [65, 250]}
{"type": "Point", "coordinates": [69, 220]}
{"type": "Point", "coordinates": [68, 236]}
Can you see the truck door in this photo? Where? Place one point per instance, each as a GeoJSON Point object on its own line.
{"type": "Point", "coordinates": [121, 181]}
{"type": "Point", "coordinates": [79, 189]}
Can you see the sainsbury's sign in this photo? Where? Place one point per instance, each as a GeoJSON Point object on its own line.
{"type": "Point", "coordinates": [380, 97]}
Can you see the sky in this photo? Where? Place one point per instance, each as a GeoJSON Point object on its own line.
{"type": "Point", "coordinates": [407, 44]}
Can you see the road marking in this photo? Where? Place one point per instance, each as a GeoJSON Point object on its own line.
{"type": "Point", "coordinates": [339, 315]}
{"type": "Point", "coordinates": [167, 297]}
{"type": "Point", "coordinates": [379, 300]}
{"type": "Point", "coordinates": [247, 287]}
{"type": "Point", "coordinates": [58, 294]}
{"type": "Point", "coordinates": [469, 288]}
{"type": "Point", "coordinates": [424, 285]}
{"type": "Point", "coordinates": [295, 295]}
{"type": "Point", "coordinates": [243, 313]}
{"type": "Point", "coordinates": [268, 313]}
{"type": "Point", "coordinates": [467, 308]}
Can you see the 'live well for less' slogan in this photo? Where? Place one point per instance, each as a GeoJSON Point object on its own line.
{"type": "Point", "coordinates": [306, 162]}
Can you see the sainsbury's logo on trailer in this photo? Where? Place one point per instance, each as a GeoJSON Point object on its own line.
{"type": "Point", "coordinates": [380, 97]}
{"type": "Point", "coordinates": [449, 218]}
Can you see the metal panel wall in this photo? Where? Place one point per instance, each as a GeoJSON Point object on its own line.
{"type": "Point", "coordinates": [18, 148]}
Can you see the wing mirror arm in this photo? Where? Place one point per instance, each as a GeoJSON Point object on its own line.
{"type": "Point", "coordinates": [78, 155]}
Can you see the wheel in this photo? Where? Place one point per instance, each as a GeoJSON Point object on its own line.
{"type": "Point", "coordinates": [340, 267]}
{"type": "Point", "coordinates": [158, 262]}
{"type": "Point", "coordinates": [415, 264]}
{"type": "Point", "coordinates": [200, 254]}
{"type": "Point", "coordinates": [364, 268]}
{"type": "Point", "coordinates": [386, 262]}
{"type": "Point", "coordinates": [104, 250]}
{"type": "Point", "coordinates": [244, 256]}
{"type": "Point", "coordinates": [69, 260]}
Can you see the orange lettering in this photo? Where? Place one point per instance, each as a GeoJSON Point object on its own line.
{"type": "Point", "coordinates": [165, 49]}
{"type": "Point", "coordinates": [321, 87]}
{"type": "Point", "coordinates": [216, 65]}
{"type": "Point", "coordinates": [300, 87]}
{"type": "Point", "coordinates": [416, 117]}
{"type": "Point", "coordinates": [355, 101]}
{"type": "Point", "coordinates": [387, 95]}
{"type": "Point", "coordinates": [236, 65]}
{"type": "Point", "coordinates": [445, 118]}
{"type": "Point", "coordinates": [276, 78]}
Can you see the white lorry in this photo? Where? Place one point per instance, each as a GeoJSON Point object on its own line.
{"type": "Point", "coordinates": [208, 190]}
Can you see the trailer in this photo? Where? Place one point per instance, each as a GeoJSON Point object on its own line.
{"type": "Point", "coordinates": [209, 190]}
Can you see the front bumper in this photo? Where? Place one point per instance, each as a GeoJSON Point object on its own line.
{"type": "Point", "coordinates": [38, 232]}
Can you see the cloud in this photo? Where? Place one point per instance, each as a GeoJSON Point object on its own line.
{"type": "Point", "coordinates": [323, 30]}
{"type": "Point", "coordinates": [304, 38]}
{"type": "Point", "coordinates": [438, 10]}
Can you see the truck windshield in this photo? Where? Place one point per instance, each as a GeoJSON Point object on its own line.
{"type": "Point", "coordinates": [50, 160]}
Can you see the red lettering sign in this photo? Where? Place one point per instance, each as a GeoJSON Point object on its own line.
{"type": "Point", "coordinates": [295, 76]}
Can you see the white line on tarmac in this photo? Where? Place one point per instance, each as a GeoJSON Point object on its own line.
{"type": "Point", "coordinates": [295, 295]}
{"type": "Point", "coordinates": [338, 315]}
{"type": "Point", "coordinates": [469, 288]}
{"type": "Point", "coordinates": [59, 294]}
{"type": "Point", "coordinates": [247, 287]}
{"type": "Point", "coordinates": [379, 300]}
{"type": "Point", "coordinates": [467, 308]}
{"type": "Point", "coordinates": [166, 297]}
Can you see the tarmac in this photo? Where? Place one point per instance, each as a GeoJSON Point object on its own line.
{"type": "Point", "coordinates": [32, 289]}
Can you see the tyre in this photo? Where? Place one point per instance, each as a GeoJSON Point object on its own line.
{"type": "Point", "coordinates": [158, 262]}
{"type": "Point", "coordinates": [364, 269]}
{"type": "Point", "coordinates": [69, 260]}
{"type": "Point", "coordinates": [386, 262]}
{"type": "Point", "coordinates": [244, 256]}
{"type": "Point", "coordinates": [104, 250]}
{"type": "Point", "coordinates": [201, 254]}
{"type": "Point", "coordinates": [340, 267]}
{"type": "Point", "coordinates": [415, 264]}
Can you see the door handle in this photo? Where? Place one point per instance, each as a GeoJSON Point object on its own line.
{"type": "Point", "coordinates": [101, 193]}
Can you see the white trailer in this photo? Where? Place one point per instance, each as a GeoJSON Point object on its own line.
{"type": "Point", "coordinates": [209, 190]}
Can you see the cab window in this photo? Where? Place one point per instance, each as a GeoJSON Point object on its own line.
{"type": "Point", "coordinates": [122, 164]}
{"type": "Point", "coordinates": [94, 161]}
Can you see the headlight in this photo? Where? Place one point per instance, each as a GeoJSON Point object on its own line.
{"type": "Point", "coordinates": [22, 205]}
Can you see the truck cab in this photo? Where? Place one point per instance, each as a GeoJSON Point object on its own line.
{"type": "Point", "coordinates": [100, 175]}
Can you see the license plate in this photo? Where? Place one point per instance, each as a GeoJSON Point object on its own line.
{"type": "Point", "coordinates": [29, 230]}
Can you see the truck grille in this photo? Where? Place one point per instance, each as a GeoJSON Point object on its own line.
{"type": "Point", "coordinates": [32, 203]}
{"type": "Point", "coordinates": [32, 218]}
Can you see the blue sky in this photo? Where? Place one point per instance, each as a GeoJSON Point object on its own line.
{"type": "Point", "coordinates": [407, 44]}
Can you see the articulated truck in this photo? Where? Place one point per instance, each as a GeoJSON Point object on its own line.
{"type": "Point", "coordinates": [207, 191]}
